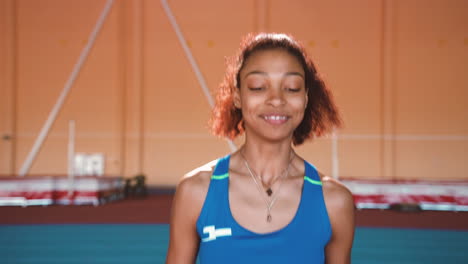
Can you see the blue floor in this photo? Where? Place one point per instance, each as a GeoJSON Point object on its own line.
{"type": "Point", "coordinates": [140, 244]}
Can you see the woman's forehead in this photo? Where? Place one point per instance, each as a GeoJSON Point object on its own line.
{"type": "Point", "coordinates": [272, 60]}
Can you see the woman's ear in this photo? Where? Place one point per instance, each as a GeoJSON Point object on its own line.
{"type": "Point", "coordinates": [237, 100]}
{"type": "Point", "coordinates": [306, 101]}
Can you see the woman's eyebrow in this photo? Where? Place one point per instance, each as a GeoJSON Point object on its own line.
{"type": "Point", "coordinates": [264, 73]}
{"type": "Point", "coordinates": [255, 72]}
{"type": "Point", "coordinates": [295, 74]}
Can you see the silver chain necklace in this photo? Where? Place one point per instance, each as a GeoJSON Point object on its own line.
{"type": "Point", "coordinates": [269, 203]}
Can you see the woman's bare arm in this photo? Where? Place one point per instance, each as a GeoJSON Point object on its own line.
{"type": "Point", "coordinates": [340, 207]}
{"type": "Point", "coordinates": [186, 207]}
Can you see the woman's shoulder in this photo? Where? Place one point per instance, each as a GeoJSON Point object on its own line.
{"type": "Point", "coordinates": [198, 179]}
{"type": "Point", "coordinates": [339, 200]}
{"type": "Point", "coordinates": [336, 194]}
{"type": "Point", "coordinates": [341, 213]}
{"type": "Point", "coordinates": [191, 192]}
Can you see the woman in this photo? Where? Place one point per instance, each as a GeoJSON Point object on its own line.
{"type": "Point", "coordinates": [264, 203]}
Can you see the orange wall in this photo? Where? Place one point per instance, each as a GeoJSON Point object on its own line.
{"type": "Point", "coordinates": [396, 69]}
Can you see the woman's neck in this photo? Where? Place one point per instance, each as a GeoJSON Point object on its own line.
{"type": "Point", "coordinates": [268, 161]}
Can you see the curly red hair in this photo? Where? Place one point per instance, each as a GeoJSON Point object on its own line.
{"type": "Point", "coordinates": [321, 114]}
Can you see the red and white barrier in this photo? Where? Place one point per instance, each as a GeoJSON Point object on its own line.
{"type": "Point", "coordinates": [47, 190]}
{"type": "Point", "coordinates": [368, 194]}
{"type": "Point", "coordinates": [429, 195]}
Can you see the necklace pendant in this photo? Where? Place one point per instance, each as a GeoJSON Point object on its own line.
{"type": "Point", "coordinates": [269, 191]}
{"type": "Point", "coordinates": [268, 218]}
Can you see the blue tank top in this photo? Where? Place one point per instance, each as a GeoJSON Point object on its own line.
{"type": "Point", "coordinates": [223, 240]}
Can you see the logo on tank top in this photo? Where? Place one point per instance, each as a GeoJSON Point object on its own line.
{"type": "Point", "coordinates": [214, 233]}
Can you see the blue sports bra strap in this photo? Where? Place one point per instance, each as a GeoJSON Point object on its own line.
{"type": "Point", "coordinates": [222, 167]}
{"type": "Point", "coordinates": [311, 174]}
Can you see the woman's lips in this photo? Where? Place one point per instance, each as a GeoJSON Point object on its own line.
{"type": "Point", "coordinates": [275, 119]}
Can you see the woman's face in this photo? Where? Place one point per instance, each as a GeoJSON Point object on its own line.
{"type": "Point", "coordinates": [272, 94]}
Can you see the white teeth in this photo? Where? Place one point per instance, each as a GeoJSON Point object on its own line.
{"type": "Point", "coordinates": [275, 117]}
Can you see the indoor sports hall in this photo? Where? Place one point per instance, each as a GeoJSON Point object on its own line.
{"type": "Point", "coordinates": [104, 106]}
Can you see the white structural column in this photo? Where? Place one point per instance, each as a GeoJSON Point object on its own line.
{"type": "Point", "coordinates": [71, 80]}
{"type": "Point", "coordinates": [133, 94]}
{"type": "Point", "coordinates": [191, 59]}
{"type": "Point", "coordinates": [388, 88]}
{"type": "Point", "coordinates": [71, 157]}
{"type": "Point", "coordinates": [334, 156]}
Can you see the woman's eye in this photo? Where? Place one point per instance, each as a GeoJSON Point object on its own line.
{"type": "Point", "coordinates": [294, 90]}
{"type": "Point", "coordinates": [255, 88]}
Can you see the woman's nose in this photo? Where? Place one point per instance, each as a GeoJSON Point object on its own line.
{"type": "Point", "coordinates": [276, 97]}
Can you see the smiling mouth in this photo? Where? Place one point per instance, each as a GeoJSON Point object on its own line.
{"type": "Point", "coordinates": [275, 117]}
